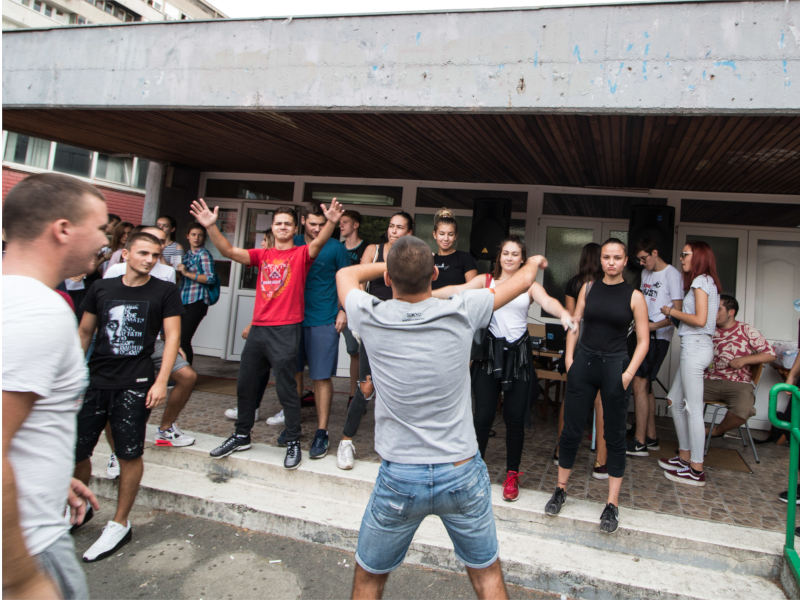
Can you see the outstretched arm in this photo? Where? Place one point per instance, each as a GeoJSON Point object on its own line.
{"type": "Point", "coordinates": [448, 291]}
{"type": "Point", "coordinates": [521, 281]}
{"type": "Point", "coordinates": [551, 305]}
{"type": "Point", "coordinates": [351, 278]}
{"type": "Point", "coordinates": [208, 219]}
{"type": "Point", "coordinates": [333, 213]}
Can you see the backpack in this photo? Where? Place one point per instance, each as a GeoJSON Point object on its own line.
{"type": "Point", "coordinates": [213, 292]}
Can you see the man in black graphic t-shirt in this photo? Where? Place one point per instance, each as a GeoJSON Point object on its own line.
{"type": "Point", "coordinates": [127, 312]}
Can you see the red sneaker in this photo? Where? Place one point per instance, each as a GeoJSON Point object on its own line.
{"type": "Point", "coordinates": [511, 486]}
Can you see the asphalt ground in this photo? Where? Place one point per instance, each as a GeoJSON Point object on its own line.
{"type": "Point", "coordinates": [172, 556]}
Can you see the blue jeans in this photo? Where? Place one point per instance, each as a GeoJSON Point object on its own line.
{"type": "Point", "coordinates": [404, 495]}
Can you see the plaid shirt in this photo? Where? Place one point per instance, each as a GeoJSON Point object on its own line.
{"type": "Point", "coordinates": [200, 262]}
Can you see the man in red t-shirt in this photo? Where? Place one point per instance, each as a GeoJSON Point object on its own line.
{"type": "Point", "coordinates": [737, 348]}
{"type": "Point", "coordinates": [277, 317]}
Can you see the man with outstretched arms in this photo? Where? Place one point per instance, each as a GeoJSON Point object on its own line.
{"type": "Point", "coordinates": [54, 227]}
{"type": "Point", "coordinates": [419, 350]}
{"type": "Point", "coordinates": [277, 317]}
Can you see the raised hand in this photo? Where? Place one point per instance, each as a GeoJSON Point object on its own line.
{"type": "Point", "coordinates": [202, 214]}
{"type": "Point", "coordinates": [334, 212]}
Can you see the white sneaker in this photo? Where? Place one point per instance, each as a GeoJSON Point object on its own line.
{"type": "Point", "coordinates": [276, 419]}
{"type": "Point", "coordinates": [114, 536]}
{"type": "Point", "coordinates": [233, 414]}
{"type": "Point", "coordinates": [345, 455]}
{"type": "Point", "coordinates": [112, 470]}
{"type": "Point", "coordinates": [173, 436]}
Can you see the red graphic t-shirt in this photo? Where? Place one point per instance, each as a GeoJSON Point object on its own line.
{"type": "Point", "coordinates": [281, 282]}
{"type": "Point", "coordinates": [736, 341]}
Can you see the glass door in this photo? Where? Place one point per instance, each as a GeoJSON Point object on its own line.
{"type": "Point", "coordinates": [211, 336]}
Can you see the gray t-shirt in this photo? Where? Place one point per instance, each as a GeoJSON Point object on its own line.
{"type": "Point", "coordinates": [705, 283]}
{"type": "Point", "coordinates": [419, 354]}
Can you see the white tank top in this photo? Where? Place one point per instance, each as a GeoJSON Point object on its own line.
{"type": "Point", "coordinates": [511, 321]}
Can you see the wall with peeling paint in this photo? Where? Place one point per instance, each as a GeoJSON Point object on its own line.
{"type": "Point", "coordinates": [686, 58]}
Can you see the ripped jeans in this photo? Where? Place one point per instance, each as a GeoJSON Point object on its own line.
{"type": "Point", "coordinates": [686, 394]}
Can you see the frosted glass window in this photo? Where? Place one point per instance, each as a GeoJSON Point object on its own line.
{"type": "Point", "coordinates": [726, 251]}
{"type": "Point", "coordinates": [563, 247]}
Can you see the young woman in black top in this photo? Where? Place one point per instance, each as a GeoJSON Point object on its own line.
{"type": "Point", "coordinates": [601, 363]}
{"type": "Point", "coordinates": [455, 266]}
{"type": "Point", "coordinates": [400, 224]}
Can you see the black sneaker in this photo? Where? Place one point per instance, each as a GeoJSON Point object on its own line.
{"type": "Point", "coordinates": [784, 496]}
{"type": "Point", "coordinates": [636, 449]}
{"type": "Point", "coordinates": [293, 455]}
{"type": "Point", "coordinates": [88, 517]}
{"type": "Point", "coordinates": [609, 520]}
{"type": "Point", "coordinates": [553, 506]}
{"type": "Point", "coordinates": [652, 444]}
{"type": "Point", "coordinates": [319, 447]}
{"type": "Point", "coordinates": [235, 443]}
{"type": "Point", "coordinates": [282, 439]}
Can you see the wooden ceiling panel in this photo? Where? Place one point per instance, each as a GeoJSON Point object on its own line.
{"type": "Point", "coordinates": [745, 154]}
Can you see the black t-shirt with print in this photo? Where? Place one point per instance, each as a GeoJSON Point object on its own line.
{"type": "Point", "coordinates": [452, 268]}
{"type": "Point", "coordinates": [128, 322]}
{"type": "Point", "coordinates": [356, 252]}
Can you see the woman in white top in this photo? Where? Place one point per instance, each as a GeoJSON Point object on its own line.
{"type": "Point", "coordinates": [505, 362]}
{"type": "Point", "coordinates": [697, 322]}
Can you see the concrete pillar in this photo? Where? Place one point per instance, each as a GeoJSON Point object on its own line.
{"type": "Point", "coordinates": [152, 192]}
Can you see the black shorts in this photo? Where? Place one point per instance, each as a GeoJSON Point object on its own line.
{"type": "Point", "coordinates": [126, 412]}
{"type": "Point", "coordinates": [655, 358]}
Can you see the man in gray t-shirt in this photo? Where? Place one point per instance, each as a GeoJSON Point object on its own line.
{"type": "Point", "coordinates": [419, 352]}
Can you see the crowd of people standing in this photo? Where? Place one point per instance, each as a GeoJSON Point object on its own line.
{"type": "Point", "coordinates": [464, 347]}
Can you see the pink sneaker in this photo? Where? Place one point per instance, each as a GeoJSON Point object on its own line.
{"type": "Point", "coordinates": [511, 486]}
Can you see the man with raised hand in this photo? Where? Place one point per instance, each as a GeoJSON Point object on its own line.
{"type": "Point", "coordinates": [54, 227]}
{"type": "Point", "coordinates": [419, 352]}
{"type": "Point", "coordinates": [276, 328]}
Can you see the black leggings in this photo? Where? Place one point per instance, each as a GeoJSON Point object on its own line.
{"type": "Point", "coordinates": [515, 404]}
{"type": "Point", "coordinates": [190, 320]}
{"type": "Point", "coordinates": [590, 372]}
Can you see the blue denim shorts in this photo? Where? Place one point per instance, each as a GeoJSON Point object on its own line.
{"type": "Point", "coordinates": [319, 346]}
{"type": "Point", "coordinates": [405, 494]}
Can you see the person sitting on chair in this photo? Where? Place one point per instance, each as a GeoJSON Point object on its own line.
{"type": "Point", "coordinates": [729, 379]}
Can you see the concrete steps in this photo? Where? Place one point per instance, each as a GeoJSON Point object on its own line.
{"type": "Point", "coordinates": [651, 556]}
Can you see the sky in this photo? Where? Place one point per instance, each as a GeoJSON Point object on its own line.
{"type": "Point", "coordinates": [286, 8]}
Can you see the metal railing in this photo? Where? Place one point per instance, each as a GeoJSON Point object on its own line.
{"type": "Point", "coordinates": [793, 428]}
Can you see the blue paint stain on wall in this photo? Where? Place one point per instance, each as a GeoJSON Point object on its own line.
{"type": "Point", "coordinates": [621, 66]}
{"type": "Point", "coordinates": [646, 35]}
{"type": "Point", "coordinates": [536, 59]}
{"type": "Point", "coordinates": [577, 52]}
{"type": "Point", "coordinates": [704, 74]}
{"type": "Point", "coordinates": [595, 52]}
{"type": "Point", "coordinates": [374, 67]}
{"type": "Point", "coordinates": [629, 48]}
{"type": "Point", "coordinates": [419, 35]}
{"type": "Point", "coordinates": [785, 70]}
{"type": "Point", "coordinates": [612, 87]}
{"type": "Point", "coordinates": [500, 67]}
{"type": "Point", "coordinates": [647, 49]}
{"type": "Point", "coordinates": [726, 63]}
{"type": "Point", "coordinates": [644, 69]}
{"type": "Point", "coordinates": [708, 53]}
{"type": "Point", "coordinates": [690, 88]}
{"type": "Point", "coordinates": [782, 41]}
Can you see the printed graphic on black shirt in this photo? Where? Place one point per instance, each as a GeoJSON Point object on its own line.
{"type": "Point", "coordinates": [125, 326]}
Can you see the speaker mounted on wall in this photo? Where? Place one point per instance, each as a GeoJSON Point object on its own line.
{"type": "Point", "coordinates": [491, 220]}
{"type": "Point", "coordinates": [655, 223]}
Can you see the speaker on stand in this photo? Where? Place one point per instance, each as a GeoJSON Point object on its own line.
{"type": "Point", "coordinates": [491, 220]}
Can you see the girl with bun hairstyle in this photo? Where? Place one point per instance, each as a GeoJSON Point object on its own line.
{"type": "Point", "coordinates": [455, 266]}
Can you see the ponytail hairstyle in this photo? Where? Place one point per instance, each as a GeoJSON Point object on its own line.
{"type": "Point", "coordinates": [498, 270]}
{"type": "Point", "coordinates": [446, 216]}
{"type": "Point", "coordinates": [703, 263]}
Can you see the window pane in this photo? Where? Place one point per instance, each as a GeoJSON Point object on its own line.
{"type": "Point", "coordinates": [258, 221]}
{"type": "Point", "coordinates": [726, 251]}
{"type": "Point", "coordinates": [69, 159]}
{"type": "Point", "coordinates": [563, 247]}
{"type": "Point", "coordinates": [602, 207]}
{"type": "Point", "coordinates": [140, 179]}
{"type": "Point", "coordinates": [227, 226]}
{"type": "Point", "coordinates": [455, 199]}
{"type": "Point", "coordinates": [27, 150]}
{"type": "Point", "coordinates": [276, 191]}
{"type": "Point", "coordinates": [114, 168]}
{"type": "Point", "coordinates": [364, 195]}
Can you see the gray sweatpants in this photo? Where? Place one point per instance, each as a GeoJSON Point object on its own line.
{"type": "Point", "coordinates": [58, 560]}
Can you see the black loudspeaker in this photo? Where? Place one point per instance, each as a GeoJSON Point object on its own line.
{"type": "Point", "coordinates": [656, 223]}
{"type": "Point", "coordinates": [491, 219]}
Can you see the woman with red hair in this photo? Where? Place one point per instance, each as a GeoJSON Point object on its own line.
{"type": "Point", "coordinates": [697, 322]}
